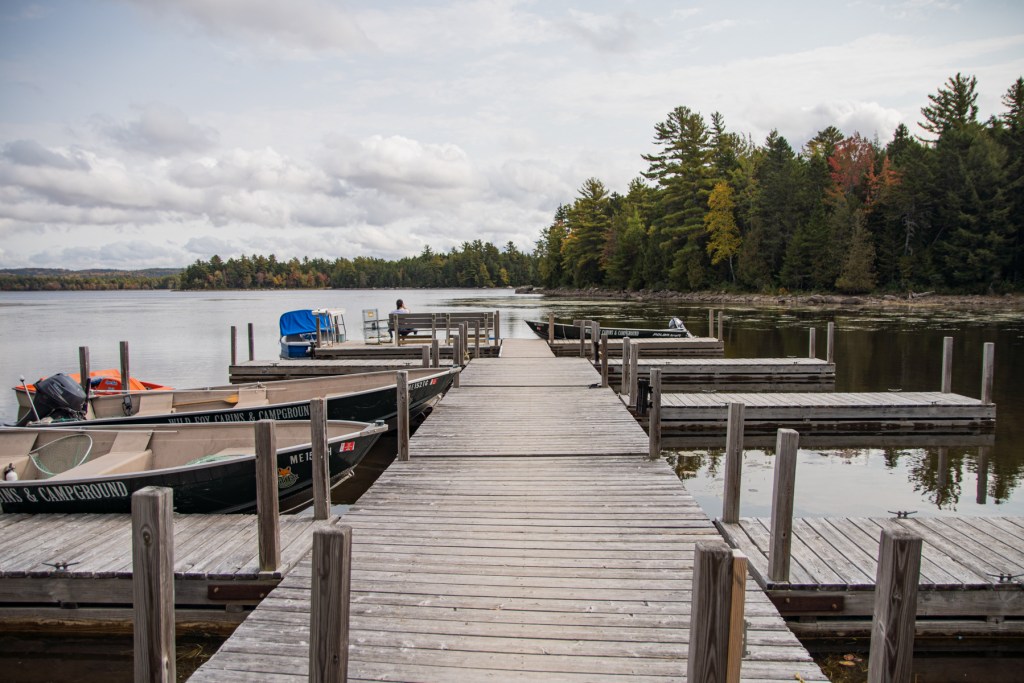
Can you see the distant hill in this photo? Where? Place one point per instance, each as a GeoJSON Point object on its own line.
{"type": "Point", "coordinates": [89, 272]}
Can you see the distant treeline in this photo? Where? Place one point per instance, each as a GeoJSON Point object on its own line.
{"type": "Point", "coordinates": [475, 264]}
{"type": "Point", "coordinates": [55, 279]}
{"type": "Point", "coordinates": [715, 210]}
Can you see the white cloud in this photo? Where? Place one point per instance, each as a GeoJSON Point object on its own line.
{"type": "Point", "coordinates": [161, 130]}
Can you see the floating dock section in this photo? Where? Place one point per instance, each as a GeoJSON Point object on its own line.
{"type": "Point", "coordinates": [733, 374]}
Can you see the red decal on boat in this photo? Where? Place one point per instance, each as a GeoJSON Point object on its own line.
{"type": "Point", "coordinates": [348, 446]}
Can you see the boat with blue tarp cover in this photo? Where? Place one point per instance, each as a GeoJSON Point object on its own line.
{"type": "Point", "coordinates": [299, 330]}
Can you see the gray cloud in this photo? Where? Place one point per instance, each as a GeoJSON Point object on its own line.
{"type": "Point", "coordinates": [31, 153]}
{"type": "Point", "coordinates": [161, 130]}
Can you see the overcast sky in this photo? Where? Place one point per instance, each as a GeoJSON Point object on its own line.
{"type": "Point", "coordinates": [146, 133]}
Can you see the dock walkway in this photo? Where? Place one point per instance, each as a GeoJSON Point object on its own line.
{"type": "Point", "coordinates": [504, 554]}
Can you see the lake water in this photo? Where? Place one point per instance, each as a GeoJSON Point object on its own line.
{"type": "Point", "coordinates": [183, 339]}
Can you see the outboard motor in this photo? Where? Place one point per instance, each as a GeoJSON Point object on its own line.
{"type": "Point", "coordinates": [58, 397]}
{"type": "Point", "coordinates": [677, 324]}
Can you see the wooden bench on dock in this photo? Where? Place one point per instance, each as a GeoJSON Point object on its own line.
{"type": "Point", "coordinates": [483, 326]}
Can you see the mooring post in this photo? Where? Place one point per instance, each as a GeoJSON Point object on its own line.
{"type": "Point", "coordinates": [153, 584]}
{"type": "Point", "coordinates": [733, 464]}
{"type": "Point", "coordinates": [476, 337]}
{"type": "Point", "coordinates": [321, 458]}
{"type": "Point", "coordinates": [721, 325]}
{"type": "Point", "coordinates": [252, 343]}
{"type": "Point", "coordinates": [234, 345]}
{"type": "Point", "coordinates": [584, 326]}
{"type": "Point", "coordinates": [329, 608]}
{"type": "Point", "coordinates": [987, 372]}
{"type": "Point", "coordinates": [626, 352]}
{"type": "Point", "coordinates": [812, 343]}
{"type": "Point", "coordinates": [830, 344]}
{"type": "Point", "coordinates": [595, 339]}
{"type": "Point", "coordinates": [497, 327]}
{"type": "Point", "coordinates": [83, 368]}
{"type": "Point", "coordinates": [654, 423]}
{"type": "Point", "coordinates": [711, 323]}
{"type": "Point", "coordinates": [942, 469]}
{"type": "Point", "coordinates": [425, 356]}
{"type": "Point", "coordinates": [125, 374]}
{"type": "Point", "coordinates": [786, 443]}
{"type": "Point", "coordinates": [604, 360]}
{"type": "Point", "coordinates": [402, 382]}
{"type": "Point", "coordinates": [551, 328]}
{"type": "Point", "coordinates": [268, 516]}
{"type": "Point", "coordinates": [892, 625]}
{"type": "Point", "coordinates": [947, 365]}
{"type": "Point", "coordinates": [716, 634]}
{"type": "Point", "coordinates": [634, 371]}
{"type": "Point", "coordinates": [456, 359]}
{"type": "Point", "coordinates": [435, 352]}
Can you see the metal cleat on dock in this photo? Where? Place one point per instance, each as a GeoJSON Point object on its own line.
{"type": "Point", "coordinates": [902, 514]}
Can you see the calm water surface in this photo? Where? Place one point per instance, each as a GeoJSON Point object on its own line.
{"type": "Point", "coordinates": [183, 339]}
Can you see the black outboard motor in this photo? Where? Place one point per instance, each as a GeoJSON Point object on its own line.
{"type": "Point", "coordinates": [58, 397]}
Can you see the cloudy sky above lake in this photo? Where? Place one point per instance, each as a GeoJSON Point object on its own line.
{"type": "Point", "coordinates": [151, 133]}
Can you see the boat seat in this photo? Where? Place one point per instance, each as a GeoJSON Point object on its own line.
{"type": "Point", "coordinates": [154, 403]}
{"type": "Point", "coordinates": [252, 397]}
{"type": "Point", "coordinates": [130, 452]}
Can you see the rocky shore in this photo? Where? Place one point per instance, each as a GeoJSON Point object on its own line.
{"type": "Point", "coordinates": [923, 300]}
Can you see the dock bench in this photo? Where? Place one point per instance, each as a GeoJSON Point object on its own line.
{"type": "Point", "coordinates": [427, 325]}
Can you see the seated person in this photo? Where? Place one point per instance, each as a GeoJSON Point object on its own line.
{"type": "Point", "coordinates": [402, 331]}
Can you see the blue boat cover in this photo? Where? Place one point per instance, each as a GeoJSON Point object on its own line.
{"type": "Point", "coordinates": [298, 322]}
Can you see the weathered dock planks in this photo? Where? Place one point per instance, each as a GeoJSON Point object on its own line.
{"type": "Point", "coordinates": [969, 583]}
{"type": "Point", "coordinates": [826, 413]}
{"type": "Point", "coordinates": [216, 568]}
{"type": "Point", "coordinates": [733, 374]}
{"type": "Point", "coordinates": [694, 347]}
{"type": "Point", "coordinates": [503, 569]}
{"type": "Point", "coordinates": [520, 543]}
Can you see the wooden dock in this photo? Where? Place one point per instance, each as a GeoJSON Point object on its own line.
{"type": "Point", "coordinates": [76, 569]}
{"type": "Point", "coordinates": [970, 583]}
{"type": "Point", "coordinates": [826, 413]}
{"type": "Point", "coordinates": [694, 347]}
{"type": "Point", "coordinates": [733, 374]}
{"type": "Point", "coordinates": [547, 550]}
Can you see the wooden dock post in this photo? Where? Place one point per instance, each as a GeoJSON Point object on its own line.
{"type": "Point", "coordinates": [711, 323]}
{"type": "Point", "coordinates": [733, 464]}
{"type": "Point", "coordinates": [947, 365]}
{"type": "Point", "coordinates": [497, 327]}
{"type": "Point", "coordinates": [83, 368]}
{"type": "Point", "coordinates": [329, 609]}
{"type": "Point", "coordinates": [654, 421]}
{"type": "Point", "coordinates": [812, 343]}
{"type": "Point", "coordinates": [987, 372]}
{"type": "Point", "coordinates": [268, 516]}
{"type": "Point", "coordinates": [830, 344]}
{"type": "Point", "coordinates": [252, 342]}
{"type": "Point", "coordinates": [595, 339]}
{"type": "Point", "coordinates": [234, 345]}
{"type": "Point", "coordinates": [604, 360]}
{"type": "Point", "coordinates": [634, 372]}
{"type": "Point", "coordinates": [125, 370]}
{"type": "Point", "coordinates": [402, 381]}
{"type": "Point", "coordinates": [584, 326]}
{"type": "Point", "coordinates": [551, 328]}
{"type": "Point", "coordinates": [321, 458]}
{"type": "Point", "coordinates": [783, 493]}
{"type": "Point", "coordinates": [456, 359]}
{"type": "Point", "coordinates": [627, 351]}
{"type": "Point", "coordinates": [942, 469]}
{"type": "Point", "coordinates": [435, 351]}
{"type": "Point", "coordinates": [892, 626]}
{"type": "Point", "coordinates": [476, 337]}
{"type": "Point", "coordinates": [721, 325]}
{"type": "Point", "coordinates": [425, 353]}
{"type": "Point", "coordinates": [716, 635]}
{"type": "Point", "coordinates": [153, 584]}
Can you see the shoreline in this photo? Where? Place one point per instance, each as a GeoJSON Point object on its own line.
{"type": "Point", "coordinates": [926, 300]}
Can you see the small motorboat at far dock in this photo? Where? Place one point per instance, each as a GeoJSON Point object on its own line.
{"type": "Point", "coordinates": [299, 330]}
{"type": "Point", "coordinates": [210, 467]}
{"type": "Point", "coordinates": [676, 330]}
